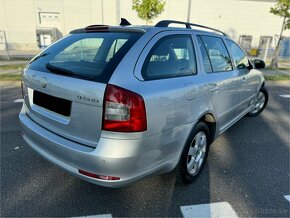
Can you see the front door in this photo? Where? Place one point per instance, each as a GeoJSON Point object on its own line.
{"type": "Point", "coordinates": [222, 79]}
{"type": "Point", "coordinates": [248, 82]}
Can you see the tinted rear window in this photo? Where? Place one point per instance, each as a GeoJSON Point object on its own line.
{"type": "Point", "coordinates": [92, 56]}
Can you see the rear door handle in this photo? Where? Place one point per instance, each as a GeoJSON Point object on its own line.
{"type": "Point", "coordinates": [214, 88]}
{"type": "Point", "coordinates": [244, 79]}
{"type": "Point", "coordinates": [192, 92]}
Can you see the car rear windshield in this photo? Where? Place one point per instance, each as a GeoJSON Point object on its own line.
{"type": "Point", "coordinates": [91, 56]}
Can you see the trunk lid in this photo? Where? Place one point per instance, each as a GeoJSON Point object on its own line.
{"type": "Point", "coordinates": [64, 85]}
{"type": "Point", "coordinates": [69, 107]}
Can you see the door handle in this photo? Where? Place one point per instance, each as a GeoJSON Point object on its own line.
{"type": "Point", "coordinates": [244, 79]}
{"type": "Point", "coordinates": [192, 91]}
{"type": "Point", "coordinates": [214, 88]}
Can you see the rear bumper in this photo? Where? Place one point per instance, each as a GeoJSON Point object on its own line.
{"type": "Point", "coordinates": [130, 160]}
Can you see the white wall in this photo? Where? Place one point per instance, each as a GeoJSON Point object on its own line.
{"type": "Point", "coordinates": [18, 21]}
{"type": "Point", "coordinates": [19, 18]}
{"type": "Point", "coordinates": [238, 17]}
{"type": "Point", "coordinates": [235, 17]}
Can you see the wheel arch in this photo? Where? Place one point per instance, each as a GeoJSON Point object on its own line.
{"type": "Point", "coordinates": [210, 119]}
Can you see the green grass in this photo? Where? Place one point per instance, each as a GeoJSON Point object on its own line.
{"type": "Point", "coordinates": [10, 77]}
{"type": "Point", "coordinates": [277, 77]}
{"type": "Point", "coordinates": [279, 67]}
{"type": "Point", "coordinates": [11, 67]}
{"type": "Point", "coordinates": [283, 68]}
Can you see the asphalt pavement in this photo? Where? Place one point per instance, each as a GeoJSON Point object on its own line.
{"type": "Point", "coordinates": [247, 172]}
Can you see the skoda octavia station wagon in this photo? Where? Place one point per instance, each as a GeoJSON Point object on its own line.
{"type": "Point", "coordinates": [114, 104]}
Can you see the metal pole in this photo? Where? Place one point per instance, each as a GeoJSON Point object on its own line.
{"type": "Point", "coordinates": [188, 11]}
{"type": "Point", "coordinates": [6, 46]}
{"type": "Point", "coordinates": [118, 12]}
{"type": "Point", "coordinates": [266, 51]}
{"type": "Point", "coordinates": [102, 12]}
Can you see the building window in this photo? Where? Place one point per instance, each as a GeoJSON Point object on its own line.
{"type": "Point", "coordinates": [265, 44]}
{"type": "Point", "coordinates": [284, 51]}
{"type": "Point", "coordinates": [245, 41]}
{"type": "Point", "coordinates": [48, 17]}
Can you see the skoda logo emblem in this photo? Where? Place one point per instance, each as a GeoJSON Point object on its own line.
{"type": "Point", "coordinates": [43, 82]}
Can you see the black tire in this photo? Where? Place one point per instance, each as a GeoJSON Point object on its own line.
{"type": "Point", "coordinates": [256, 111]}
{"type": "Point", "coordinates": [181, 171]}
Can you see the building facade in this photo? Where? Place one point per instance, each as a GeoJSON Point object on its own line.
{"type": "Point", "coordinates": [30, 25]}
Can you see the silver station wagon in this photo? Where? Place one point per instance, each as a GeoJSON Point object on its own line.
{"type": "Point", "coordinates": [114, 104]}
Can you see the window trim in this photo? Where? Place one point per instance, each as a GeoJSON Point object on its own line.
{"type": "Point", "coordinates": [199, 36]}
{"type": "Point", "coordinates": [153, 48]}
{"type": "Point", "coordinates": [232, 57]}
{"type": "Point", "coordinates": [222, 39]}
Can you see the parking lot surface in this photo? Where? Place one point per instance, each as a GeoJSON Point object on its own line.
{"type": "Point", "coordinates": [247, 173]}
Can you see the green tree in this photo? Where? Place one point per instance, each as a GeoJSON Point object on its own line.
{"type": "Point", "coordinates": [148, 9]}
{"type": "Point", "coordinates": [281, 9]}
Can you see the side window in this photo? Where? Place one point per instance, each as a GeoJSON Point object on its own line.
{"type": "Point", "coordinates": [239, 57]}
{"type": "Point", "coordinates": [205, 58]}
{"type": "Point", "coordinates": [217, 52]}
{"type": "Point", "coordinates": [171, 56]}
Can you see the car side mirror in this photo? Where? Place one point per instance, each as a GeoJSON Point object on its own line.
{"type": "Point", "coordinates": [241, 66]}
{"type": "Point", "coordinates": [259, 64]}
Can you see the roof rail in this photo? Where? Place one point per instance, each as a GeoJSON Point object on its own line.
{"type": "Point", "coordinates": [165, 23]}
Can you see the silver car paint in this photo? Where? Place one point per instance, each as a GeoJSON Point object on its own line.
{"type": "Point", "coordinates": [84, 124]}
{"type": "Point", "coordinates": [173, 107]}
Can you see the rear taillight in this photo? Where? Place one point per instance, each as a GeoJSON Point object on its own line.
{"type": "Point", "coordinates": [124, 111]}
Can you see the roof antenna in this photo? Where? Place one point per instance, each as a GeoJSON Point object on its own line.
{"type": "Point", "coordinates": [124, 22]}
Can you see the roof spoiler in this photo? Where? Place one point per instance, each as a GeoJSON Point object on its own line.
{"type": "Point", "coordinates": [99, 28]}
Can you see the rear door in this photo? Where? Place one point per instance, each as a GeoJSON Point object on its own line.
{"type": "Point", "coordinates": [171, 82]}
{"type": "Point", "coordinates": [223, 83]}
{"type": "Point", "coordinates": [65, 84]}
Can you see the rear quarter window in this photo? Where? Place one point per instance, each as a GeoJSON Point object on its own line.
{"type": "Point", "coordinates": [91, 56]}
{"type": "Point", "coordinates": [171, 56]}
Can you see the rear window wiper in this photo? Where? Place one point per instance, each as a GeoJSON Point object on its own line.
{"type": "Point", "coordinates": [66, 72]}
{"type": "Point", "coordinates": [37, 57]}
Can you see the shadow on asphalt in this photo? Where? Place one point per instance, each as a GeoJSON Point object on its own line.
{"type": "Point", "coordinates": [246, 167]}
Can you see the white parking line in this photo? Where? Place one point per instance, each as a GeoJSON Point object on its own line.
{"type": "Point", "coordinates": [96, 216]}
{"type": "Point", "coordinates": [285, 96]}
{"type": "Point", "coordinates": [20, 100]}
{"type": "Point", "coordinates": [287, 197]}
{"type": "Point", "coordinates": [221, 209]}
